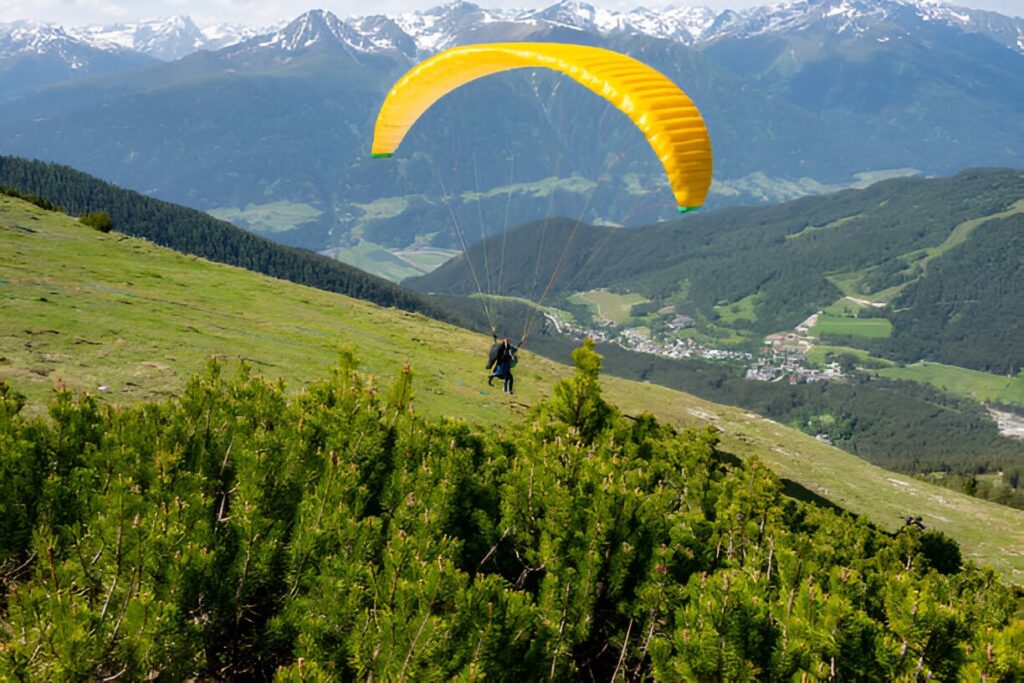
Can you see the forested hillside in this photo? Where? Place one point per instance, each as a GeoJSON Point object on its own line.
{"type": "Point", "coordinates": [968, 309]}
{"type": "Point", "coordinates": [194, 232]}
{"type": "Point", "coordinates": [908, 242]}
{"type": "Point", "coordinates": [235, 532]}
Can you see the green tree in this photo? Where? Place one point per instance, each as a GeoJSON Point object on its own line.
{"type": "Point", "coordinates": [577, 400]}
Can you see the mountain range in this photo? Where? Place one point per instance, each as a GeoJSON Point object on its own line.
{"type": "Point", "coordinates": [444, 26]}
{"type": "Point", "coordinates": [273, 130]}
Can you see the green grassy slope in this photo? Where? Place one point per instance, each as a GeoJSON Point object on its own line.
{"type": "Point", "coordinates": [194, 232]}
{"type": "Point", "coordinates": [90, 310]}
{"type": "Point", "coordinates": [609, 305]}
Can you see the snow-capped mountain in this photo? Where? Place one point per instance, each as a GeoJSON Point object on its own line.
{"type": "Point", "coordinates": [35, 55]}
{"type": "Point", "coordinates": [858, 16]}
{"type": "Point", "coordinates": [381, 33]}
{"type": "Point", "coordinates": [683, 24]}
{"type": "Point", "coordinates": [24, 38]}
{"type": "Point", "coordinates": [428, 31]}
{"type": "Point", "coordinates": [418, 34]}
{"type": "Point", "coordinates": [461, 22]}
{"type": "Point", "coordinates": [443, 26]}
{"type": "Point", "coordinates": [312, 28]}
{"type": "Point", "coordinates": [225, 35]}
{"type": "Point", "coordinates": [319, 29]}
{"type": "Point", "coordinates": [166, 39]}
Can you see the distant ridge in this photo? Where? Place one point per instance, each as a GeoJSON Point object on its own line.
{"type": "Point", "coordinates": [194, 232]}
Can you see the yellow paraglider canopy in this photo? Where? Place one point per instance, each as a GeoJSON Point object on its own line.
{"type": "Point", "coordinates": [666, 116]}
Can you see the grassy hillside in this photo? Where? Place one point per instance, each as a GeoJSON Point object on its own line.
{"type": "Point", "coordinates": [127, 320]}
{"type": "Point", "coordinates": [609, 305]}
{"type": "Point", "coordinates": [194, 232]}
{"type": "Point", "coordinates": [92, 310]}
{"type": "Point", "coordinates": [965, 310]}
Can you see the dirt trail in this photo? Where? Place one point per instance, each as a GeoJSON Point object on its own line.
{"type": "Point", "coordinates": [865, 302]}
{"type": "Point", "coordinates": [1009, 424]}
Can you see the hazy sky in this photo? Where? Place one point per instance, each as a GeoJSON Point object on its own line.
{"type": "Point", "coordinates": [263, 12]}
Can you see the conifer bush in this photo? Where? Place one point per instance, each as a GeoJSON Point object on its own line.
{"type": "Point", "coordinates": [100, 220]}
{"type": "Point", "coordinates": [240, 532]}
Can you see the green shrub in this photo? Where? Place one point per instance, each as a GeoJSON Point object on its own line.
{"type": "Point", "coordinates": [98, 219]}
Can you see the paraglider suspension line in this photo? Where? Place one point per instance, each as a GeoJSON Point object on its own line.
{"type": "Point", "coordinates": [465, 248]}
{"type": "Point", "coordinates": [558, 268]}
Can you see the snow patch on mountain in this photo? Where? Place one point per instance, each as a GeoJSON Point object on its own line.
{"type": "Point", "coordinates": [578, 14]}
{"type": "Point", "coordinates": [379, 33]}
{"type": "Point", "coordinates": [687, 24]}
{"type": "Point", "coordinates": [225, 35]}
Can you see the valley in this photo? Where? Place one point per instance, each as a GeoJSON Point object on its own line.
{"type": "Point", "coordinates": [714, 284]}
{"type": "Point", "coordinates": [798, 356]}
{"type": "Point", "coordinates": [709, 346]}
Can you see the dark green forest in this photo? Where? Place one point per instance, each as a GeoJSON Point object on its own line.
{"type": "Point", "coordinates": [194, 232]}
{"type": "Point", "coordinates": [785, 254]}
{"type": "Point", "coordinates": [235, 532]}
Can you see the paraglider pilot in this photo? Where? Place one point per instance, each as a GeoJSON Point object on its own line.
{"type": "Point", "coordinates": [502, 357]}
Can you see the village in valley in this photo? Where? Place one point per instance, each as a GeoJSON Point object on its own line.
{"type": "Point", "coordinates": [781, 358]}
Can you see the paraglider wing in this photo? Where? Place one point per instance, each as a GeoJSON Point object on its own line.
{"type": "Point", "coordinates": [666, 116]}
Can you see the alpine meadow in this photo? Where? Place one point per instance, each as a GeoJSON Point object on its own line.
{"type": "Point", "coordinates": [552, 342]}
